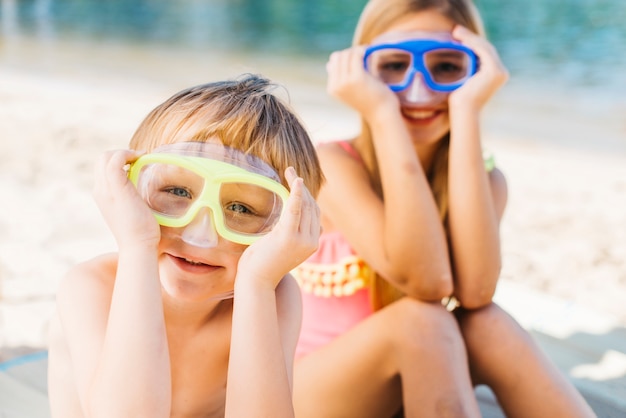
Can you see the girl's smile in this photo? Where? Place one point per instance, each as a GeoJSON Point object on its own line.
{"type": "Point", "coordinates": [420, 116]}
{"type": "Point", "coordinates": [426, 123]}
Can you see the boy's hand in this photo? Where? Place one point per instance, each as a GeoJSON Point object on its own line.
{"type": "Point", "coordinates": [294, 238]}
{"type": "Point", "coordinates": [124, 211]}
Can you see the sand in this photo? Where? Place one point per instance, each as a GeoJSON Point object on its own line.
{"type": "Point", "coordinates": [564, 231]}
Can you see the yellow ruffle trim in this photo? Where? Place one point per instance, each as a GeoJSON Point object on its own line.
{"type": "Point", "coordinates": [341, 279]}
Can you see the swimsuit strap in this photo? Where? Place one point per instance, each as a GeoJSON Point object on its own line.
{"type": "Point", "coordinates": [347, 146]}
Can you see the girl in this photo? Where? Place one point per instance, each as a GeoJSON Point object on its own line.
{"type": "Point", "coordinates": [196, 315]}
{"type": "Point", "coordinates": [411, 217]}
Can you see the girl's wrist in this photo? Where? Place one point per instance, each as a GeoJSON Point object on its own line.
{"type": "Point", "coordinates": [462, 109]}
{"type": "Point", "coordinates": [383, 116]}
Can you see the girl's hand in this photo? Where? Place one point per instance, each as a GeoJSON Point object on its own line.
{"type": "Point", "coordinates": [294, 238]}
{"type": "Point", "coordinates": [349, 82]}
{"type": "Point", "coordinates": [124, 211]}
{"type": "Point", "coordinates": [491, 74]}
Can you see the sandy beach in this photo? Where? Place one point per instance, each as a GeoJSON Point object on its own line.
{"type": "Point", "coordinates": [563, 233]}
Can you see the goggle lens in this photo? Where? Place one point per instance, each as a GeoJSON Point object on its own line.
{"type": "Point", "coordinates": [447, 66]}
{"type": "Point", "coordinates": [444, 68]}
{"type": "Point", "coordinates": [172, 191]}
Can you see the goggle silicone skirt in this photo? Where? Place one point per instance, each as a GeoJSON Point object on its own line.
{"type": "Point", "coordinates": [444, 65]}
{"type": "Point", "coordinates": [182, 182]}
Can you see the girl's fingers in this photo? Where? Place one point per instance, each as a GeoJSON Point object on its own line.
{"type": "Point", "coordinates": [484, 49]}
{"type": "Point", "coordinates": [468, 38]}
{"type": "Point", "coordinates": [490, 77]}
{"type": "Point", "coordinates": [356, 59]}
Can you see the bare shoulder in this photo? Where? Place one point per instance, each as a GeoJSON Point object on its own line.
{"type": "Point", "coordinates": [83, 301]}
{"type": "Point", "coordinates": [335, 155]}
{"type": "Point", "coordinates": [341, 164]}
{"type": "Point", "coordinates": [100, 269]}
{"type": "Point", "coordinates": [87, 282]}
{"type": "Point", "coordinates": [330, 148]}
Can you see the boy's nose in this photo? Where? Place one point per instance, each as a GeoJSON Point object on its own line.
{"type": "Point", "coordinates": [201, 232]}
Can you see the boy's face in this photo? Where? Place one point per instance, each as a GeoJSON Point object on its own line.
{"type": "Point", "coordinates": [211, 202]}
{"type": "Point", "coordinates": [197, 274]}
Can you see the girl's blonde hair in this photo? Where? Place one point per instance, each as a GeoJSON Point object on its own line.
{"type": "Point", "coordinates": [243, 114]}
{"type": "Point", "coordinates": [377, 17]}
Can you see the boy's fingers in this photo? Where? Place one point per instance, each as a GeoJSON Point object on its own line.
{"type": "Point", "coordinates": [315, 228]}
{"type": "Point", "coordinates": [308, 215]}
{"type": "Point", "coordinates": [290, 175]}
{"type": "Point", "coordinates": [309, 211]}
{"type": "Point", "coordinates": [294, 205]}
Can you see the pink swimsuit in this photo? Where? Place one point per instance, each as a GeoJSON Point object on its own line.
{"type": "Point", "coordinates": [335, 289]}
{"type": "Point", "coordinates": [335, 285]}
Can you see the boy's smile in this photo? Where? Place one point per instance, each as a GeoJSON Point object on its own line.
{"type": "Point", "coordinates": [191, 266]}
{"type": "Point", "coordinates": [192, 273]}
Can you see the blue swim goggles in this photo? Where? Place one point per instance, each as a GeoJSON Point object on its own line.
{"type": "Point", "coordinates": [444, 65]}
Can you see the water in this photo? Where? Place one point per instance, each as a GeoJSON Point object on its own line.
{"type": "Point", "coordinates": [567, 58]}
{"type": "Point", "coordinates": [568, 43]}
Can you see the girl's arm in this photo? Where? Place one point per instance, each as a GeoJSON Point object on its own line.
{"type": "Point", "coordinates": [115, 328]}
{"type": "Point", "coordinates": [476, 198]}
{"type": "Point", "coordinates": [402, 238]}
{"type": "Point", "coordinates": [267, 311]}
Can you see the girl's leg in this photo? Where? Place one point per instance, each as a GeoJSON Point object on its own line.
{"type": "Point", "coordinates": [410, 353]}
{"type": "Point", "coordinates": [503, 356]}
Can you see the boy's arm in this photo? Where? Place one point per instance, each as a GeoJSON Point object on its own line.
{"type": "Point", "coordinates": [266, 326]}
{"type": "Point", "coordinates": [112, 311]}
{"type": "Point", "coordinates": [267, 311]}
{"type": "Point", "coordinates": [116, 338]}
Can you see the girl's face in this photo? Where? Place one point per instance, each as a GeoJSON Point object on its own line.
{"type": "Point", "coordinates": [427, 120]}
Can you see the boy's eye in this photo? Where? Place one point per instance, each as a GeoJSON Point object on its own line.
{"type": "Point", "coordinates": [238, 208]}
{"type": "Point", "coordinates": [179, 192]}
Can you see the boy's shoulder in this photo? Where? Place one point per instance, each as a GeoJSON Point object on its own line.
{"type": "Point", "coordinates": [87, 277]}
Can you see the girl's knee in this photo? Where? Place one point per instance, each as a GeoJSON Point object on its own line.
{"type": "Point", "coordinates": [486, 322]}
{"type": "Point", "coordinates": [414, 323]}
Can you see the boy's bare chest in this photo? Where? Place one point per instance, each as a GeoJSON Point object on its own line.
{"type": "Point", "coordinates": [199, 368]}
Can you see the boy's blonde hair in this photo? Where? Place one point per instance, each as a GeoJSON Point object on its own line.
{"type": "Point", "coordinates": [377, 17]}
{"type": "Point", "coordinates": [243, 114]}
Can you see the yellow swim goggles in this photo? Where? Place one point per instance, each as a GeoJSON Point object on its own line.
{"type": "Point", "coordinates": [186, 181]}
